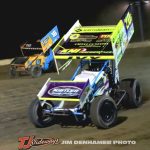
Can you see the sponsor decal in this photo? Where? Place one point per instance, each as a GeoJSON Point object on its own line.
{"type": "Point", "coordinates": [27, 142]}
{"type": "Point", "coordinates": [100, 83]}
{"type": "Point", "coordinates": [95, 29]}
{"type": "Point", "coordinates": [74, 36]}
{"type": "Point", "coordinates": [38, 61]}
{"type": "Point", "coordinates": [83, 51]}
{"type": "Point", "coordinates": [130, 32]}
{"type": "Point", "coordinates": [65, 91]}
{"type": "Point", "coordinates": [128, 20]}
{"type": "Point", "coordinates": [68, 51]}
{"type": "Point", "coordinates": [104, 36]}
{"type": "Point", "coordinates": [86, 57]}
{"type": "Point", "coordinates": [86, 44]}
{"type": "Point", "coordinates": [49, 39]}
{"type": "Point", "coordinates": [28, 45]}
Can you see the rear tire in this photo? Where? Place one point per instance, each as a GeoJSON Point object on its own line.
{"type": "Point", "coordinates": [134, 95]}
{"type": "Point", "coordinates": [103, 112]}
{"type": "Point", "coordinates": [12, 72]}
{"type": "Point", "coordinates": [36, 115]}
{"type": "Point", "coordinates": [36, 71]}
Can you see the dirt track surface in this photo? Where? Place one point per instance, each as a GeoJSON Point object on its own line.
{"type": "Point", "coordinates": [17, 94]}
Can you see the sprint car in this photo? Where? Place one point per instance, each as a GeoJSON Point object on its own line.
{"type": "Point", "coordinates": [94, 92]}
{"type": "Point", "coordinates": [37, 56]}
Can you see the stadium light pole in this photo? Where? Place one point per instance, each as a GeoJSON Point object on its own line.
{"type": "Point", "coordinates": [138, 3]}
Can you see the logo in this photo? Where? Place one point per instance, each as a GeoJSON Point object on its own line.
{"type": "Point", "coordinates": [78, 30]}
{"type": "Point", "coordinates": [128, 20]}
{"type": "Point", "coordinates": [70, 51]}
{"type": "Point", "coordinates": [54, 33]}
{"type": "Point", "coordinates": [28, 45]}
{"type": "Point", "coordinates": [27, 142]}
{"type": "Point", "coordinates": [38, 61]}
{"type": "Point", "coordinates": [104, 36]}
{"type": "Point", "coordinates": [65, 91]}
{"type": "Point", "coordinates": [74, 36]}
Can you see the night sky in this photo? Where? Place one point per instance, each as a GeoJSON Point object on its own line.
{"type": "Point", "coordinates": [24, 20]}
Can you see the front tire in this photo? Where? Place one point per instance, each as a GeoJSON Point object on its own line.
{"type": "Point", "coordinates": [103, 112]}
{"type": "Point", "coordinates": [36, 71]}
{"type": "Point", "coordinates": [36, 114]}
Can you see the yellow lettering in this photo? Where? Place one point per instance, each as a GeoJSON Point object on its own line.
{"type": "Point", "coordinates": [70, 50]}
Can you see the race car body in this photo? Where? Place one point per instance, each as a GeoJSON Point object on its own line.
{"type": "Point", "coordinates": [36, 56]}
{"type": "Point", "coordinates": [94, 92]}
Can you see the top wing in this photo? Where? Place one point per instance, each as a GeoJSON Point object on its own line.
{"type": "Point", "coordinates": [87, 42]}
{"type": "Point", "coordinates": [49, 39]}
{"type": "Point", "coordinates": [96, 42]}
{"type": "Point", "coordinates": [122, 35]}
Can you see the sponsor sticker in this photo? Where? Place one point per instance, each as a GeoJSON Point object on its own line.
{"type": "Point", "coordinates": [65, 91]}
{"type": "Point", "coordinates": [49, 39]}
{"type": "Point", "coordinates": [95, 29]}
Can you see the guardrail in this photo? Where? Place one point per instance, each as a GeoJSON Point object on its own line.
{"type": "Point", "coordinates": [5, 61]}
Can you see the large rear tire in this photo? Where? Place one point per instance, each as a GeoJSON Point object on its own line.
{"type": "Point", "coordinates": [36, 114]}
{"type": "Point", "coordinates": [36, 71]}
{"type": "Point", "coordinates": [134, 95]}
{"type": "Point", "coordinates": [103, 112]}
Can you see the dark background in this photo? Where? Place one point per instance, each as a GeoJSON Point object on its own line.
{"type": "Point", "coordinates": [25, 20]}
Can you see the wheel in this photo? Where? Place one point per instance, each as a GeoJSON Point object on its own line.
{"type": "Point", "coordinates": [103, 112]}
{"type": "Point", "coordinates": [36, 114]}
{"type": "Point", "coordinates": [12, 72]}
{"type": "Point", "coordinates": [134, 94]}
{"type": "Point", "coordinates": [36, 71]}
